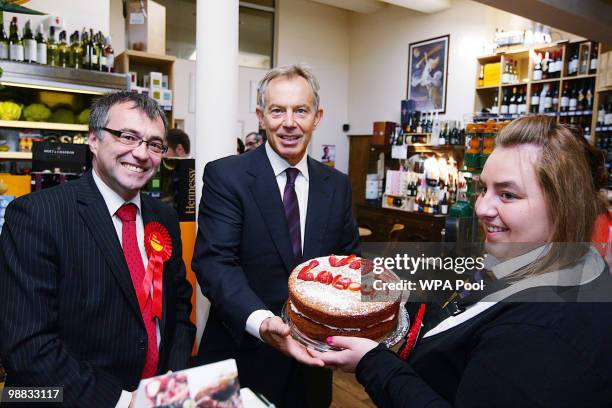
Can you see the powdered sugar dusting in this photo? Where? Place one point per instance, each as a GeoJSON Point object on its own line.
{"type": "Point", "coordinates": [335, 301]}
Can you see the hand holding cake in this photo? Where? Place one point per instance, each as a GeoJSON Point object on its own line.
{"type": "Point", "coordinates": [276, 333]}
{"type": "Point", "coordinates": [354, 348]}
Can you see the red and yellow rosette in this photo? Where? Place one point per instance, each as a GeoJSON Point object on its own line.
{"type": "Point", "coordinates": [158, 245]}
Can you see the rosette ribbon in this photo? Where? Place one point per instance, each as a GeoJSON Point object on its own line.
{"type": "Point", "coordinates": [158, 245]}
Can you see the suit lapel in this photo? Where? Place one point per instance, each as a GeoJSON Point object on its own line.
{"type": "Point", "coordinates": [264, 189]}
{"type": "Point", "coordinates": [320, 194]}
{"type": "Point", "coordinates": [94, 212]}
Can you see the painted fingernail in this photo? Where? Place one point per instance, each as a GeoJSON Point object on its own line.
{"type": "Point", "coordinates": [330, 340]}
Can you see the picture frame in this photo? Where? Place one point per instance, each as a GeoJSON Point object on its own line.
{"type": "Point", "coordinates": [428, 74]}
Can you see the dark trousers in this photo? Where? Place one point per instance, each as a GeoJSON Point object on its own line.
{"type": "Point", "coordinates": [280, 379]}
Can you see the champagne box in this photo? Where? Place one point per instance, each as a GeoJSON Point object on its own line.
{"type": "Point", "coordinates": [382, 132]}
{"type": "Point", "coordinates": [492, 74]}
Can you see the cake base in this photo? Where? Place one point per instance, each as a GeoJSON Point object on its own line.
{"type": "Point", "coordinates": [318, 331]}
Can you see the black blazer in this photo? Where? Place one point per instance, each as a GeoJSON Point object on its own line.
{"type": "Point", "coordinates": [243, 256]}
{"type": "Point", "coordinates": [522, 354]}
{"type": "Point", "coordinates": [69, 312]}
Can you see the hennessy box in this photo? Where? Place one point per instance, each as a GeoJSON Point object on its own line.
{"type": "Point", "coordinates": [178, 186]}
{"type": "Point", "coordinates": [60, 157]}
{"type": "Point", "coordinates": [382, 133]}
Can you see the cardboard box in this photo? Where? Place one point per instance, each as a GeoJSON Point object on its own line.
{"type": "Point", "coordinates": [18, 185]}
{"type": "Point", "coordinates": [166, 99]}
{"type": "Point", "coordinates": [178, 179]}
{"type": "Point", "coordinates": [156, 94]}
{"type": "Point", "coordinates": [155, 80]}
{"type": "Point", "coordinates": [382, 133]}
{"type": "Point", "coordinates": [492, 74]}
{"type": "Point", "coordinates": [133, 79]}
{"type": "Point", "coordinates": [147, 28]}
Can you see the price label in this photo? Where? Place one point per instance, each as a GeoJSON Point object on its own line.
{"type": "Point", "coordinates": [137, 18]}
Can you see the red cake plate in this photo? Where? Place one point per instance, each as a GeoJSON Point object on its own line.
{"type": "Point", "coordinates": [390, 340]}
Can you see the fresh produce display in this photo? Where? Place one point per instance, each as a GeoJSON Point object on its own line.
{"type": "Point", "coordinates": [10, 110]}
{"type": "Point", "coordinates": [36, 112]}
{"type": "Point", "coordinates": [83, 117]}
{"type": "Point", "coordinates": [62, 116]}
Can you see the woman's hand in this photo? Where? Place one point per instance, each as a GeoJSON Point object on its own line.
{"type": "Point", "coordinates": [354, 350]}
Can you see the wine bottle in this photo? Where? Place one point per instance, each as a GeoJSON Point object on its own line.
{"type": "Point", "coordinates": [565, 98]}
{"type": "Point", "coordinates": [29, 44]}
{"type": "Point", "coordinates": [594, 57]}
{"type": "Point", "coordinates": [505, 103]}
{"type": "Point", "coordinates": [41, 47]}
{"type": "Point", "coordinates": [537, 70]}
{"type": "Point", "coordinates": [110, 55]}
{"type": "Point", "coordinates": [535, 100]}
{"type": "Point", "coordinates": [4, 43]}
{"type": "Point", "coordinates": [52, 52]}
{"type": "Point", "coordinates": [548, 101]}
{"type": "Point", "coordinates": [63, 50]}
{"type": "Point", "coordinates": [512, 106]}
{"type": "Point", "coordinates": [15, 43]}
{"type": "Point", "coordinates": [573, 101]}
{"type": "Point", "coordinates": [77, 50]}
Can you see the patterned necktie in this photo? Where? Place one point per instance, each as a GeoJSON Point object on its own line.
{"type": "Point", "coordinates": [131, 252]}
{"type": "Point", "coordinates": [292, 212]}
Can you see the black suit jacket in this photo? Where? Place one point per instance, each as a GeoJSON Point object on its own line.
{"type": "Point", "coordinates": [243, 254]}
{"type": "Point", "coordinates": [514, 354]}
{"type": "Point", "coordinates": [69, 312]}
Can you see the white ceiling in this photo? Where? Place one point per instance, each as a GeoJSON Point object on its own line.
{"type": "Point", "coordinates": [372, 6]}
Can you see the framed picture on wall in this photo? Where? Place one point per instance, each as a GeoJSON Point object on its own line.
{"type": "Point", "coordinates": [427, 74]}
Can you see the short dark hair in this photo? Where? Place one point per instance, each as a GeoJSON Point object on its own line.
{"type": "Point", "coordinates": [98, 119]}
{"type": "Point", "coordinates": [176, 137]}
{"type": "Point", "coordinates": [240, 146]}
{"type": "Point", "coordinates": [257, 135]}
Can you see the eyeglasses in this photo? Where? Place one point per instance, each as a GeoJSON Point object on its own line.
{"type": "Point", "coordinates": [130, 139]}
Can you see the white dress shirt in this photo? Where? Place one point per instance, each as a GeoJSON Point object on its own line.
{"type": "Point", "coordinates": [113, 202]}
{"type": "Point", "coordinates": [279, 165]}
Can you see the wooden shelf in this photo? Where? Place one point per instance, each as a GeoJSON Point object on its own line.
{"type": "Point", "coordinates": [22, 124]}
{"type": "Point", "coordinates": [569, 78]}
{"type": "Point", "coordinates": [147, 57]}
{"type": "Point", "coordinates": [15, 155]}
{"type": "Point", "coordinates": [543, 81]}
{"type": "Point", "coordinates": [514, 84]}
{"type": "Point", "coordinates": [478, 88]}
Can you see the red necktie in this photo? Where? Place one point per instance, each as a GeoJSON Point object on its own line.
{"type": "Point", "coordinates": [127, 214]}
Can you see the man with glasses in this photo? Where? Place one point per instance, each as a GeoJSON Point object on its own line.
{"type": "Point", "coordinates": [79, 307]}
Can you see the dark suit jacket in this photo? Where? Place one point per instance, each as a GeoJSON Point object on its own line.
{"type": "Point", "coordinates": [69, 315]}
{"type": "Point", "coordinates": [243, 254]}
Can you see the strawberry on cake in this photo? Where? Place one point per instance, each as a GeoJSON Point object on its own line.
{"type": "Point", "coordinates": [325, 299]}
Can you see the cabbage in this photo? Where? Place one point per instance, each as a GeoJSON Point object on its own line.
{"type": "Point", "coordinates": [9, 111]}
{"type": "Point", "coordinates": [62, 116]}
{"type": "Point", "coordinates": [83, 117]}
{"type": "Point", "coordinates": [36, 112]}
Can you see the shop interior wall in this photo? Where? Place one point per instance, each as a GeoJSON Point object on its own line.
{"type": "Point", "coordinates": [76, 14]}
{"type": "Point", "coordinates": [379, 56]}
{"type": "Point", "coordinates": [319, 35]}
